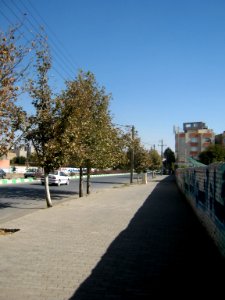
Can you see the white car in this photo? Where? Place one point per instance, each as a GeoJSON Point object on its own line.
{"type": "Point", "coordinates": [56, 177]}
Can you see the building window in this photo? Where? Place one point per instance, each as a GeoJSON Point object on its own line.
{"type": "Point", "coordinates": [194, 140]}
{"type": "Point", "coordinates": [207, 140]}
{"type": "Point", "coordinates": [194, 149]}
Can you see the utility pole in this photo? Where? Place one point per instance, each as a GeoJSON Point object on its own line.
{"type": "Point", "coordinates": [132, 155]}
{"type": "Point", "coordinates": [162, 145]}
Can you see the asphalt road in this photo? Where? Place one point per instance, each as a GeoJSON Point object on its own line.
{"type": "Point", "coordinates": [23, 198]}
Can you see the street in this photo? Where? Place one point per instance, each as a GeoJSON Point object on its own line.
{"type": "Point", "coordinates": [20, 199]}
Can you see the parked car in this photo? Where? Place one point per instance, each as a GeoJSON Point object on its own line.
{"type": "Point", "coordinates": [56, 177]}
{"type": "Point", "coordinates": [2, 174]}
{"type": "Point", "coordinates": [32, 172]}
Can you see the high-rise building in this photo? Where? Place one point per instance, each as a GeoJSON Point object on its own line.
{"type": "Point", "coordinates": [194, 138]}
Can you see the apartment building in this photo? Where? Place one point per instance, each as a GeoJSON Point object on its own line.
{"type": "Point", "coordinates": [220, 139]}
{"type": "Point", "coordinates": [194, 138]}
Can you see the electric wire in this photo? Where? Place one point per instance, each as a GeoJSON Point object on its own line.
{"type": "Point", "coordinates": [36, 32]}
{"type": "Point", "coordinates": [55, 49]}
{"type": "Point", "coordinates": [70, 59]}
{"type": "Point", "coordinates": [11, 10]}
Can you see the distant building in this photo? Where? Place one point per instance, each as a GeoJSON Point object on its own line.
{"type": "Point", "coordinates": [220, 139]}
{"type": "Point", "coordinates": [18, 150]}
{"type": "Point", "coordinates": [194, 138]}
{"type": "Point", "coordinates": [23, 150]}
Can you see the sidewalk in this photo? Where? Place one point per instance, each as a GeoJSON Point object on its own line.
{"type": "Point", "coordinates": [130, 242]}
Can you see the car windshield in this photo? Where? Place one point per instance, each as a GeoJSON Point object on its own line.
{"type": "Point", "coordinates": [54, 173]}
{"type": "Point", "coordinates": [57, 173]}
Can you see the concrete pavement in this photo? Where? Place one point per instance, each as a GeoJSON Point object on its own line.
{"type": "Point", "coordinates": [132, 242]}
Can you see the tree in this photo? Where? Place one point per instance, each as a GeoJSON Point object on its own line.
{"type": "Point", "coordinates": [32, 160]}
{"type": "Point", "coordinates": [155, 160]}
{"type": "Point", "coordinates": [214, 153]}
{"type": "Point", "coordinates": [106, 149]}
{"type": "Point", "coordinates": [12, 70]}
{"type": "Point", "coordinates": [75, 107]}
{"type": "Point", "coordinates": [93, 140]}
{"type": "Point", "coordinates": [20, 160]}
{"type": "Point", "coordinates": [170, 159]}
{"type": "Point", "coordinates": [141, 156]}
{"type": "Point", "coordinates": [124, 144]}
{"type": "Point", "coordinates": [45, 127]}
{"type": "Point", "coordinates": [141, 160]}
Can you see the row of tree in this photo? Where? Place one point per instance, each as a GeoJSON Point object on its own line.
{"type": "Point", "coordinates": [73, 127]}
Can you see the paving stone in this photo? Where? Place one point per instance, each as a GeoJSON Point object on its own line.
{"type": "Point", "coordinates": [123, 243]}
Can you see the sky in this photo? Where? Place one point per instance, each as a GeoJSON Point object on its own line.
{"type": "Point", "coordinates": [163, 61]}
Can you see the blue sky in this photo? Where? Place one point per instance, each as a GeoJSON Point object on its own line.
{"type": "Point", "coordinates": [163, 61]}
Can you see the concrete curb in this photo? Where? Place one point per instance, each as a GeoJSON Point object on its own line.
{"type": "Point", "coordinates": [15, 180]}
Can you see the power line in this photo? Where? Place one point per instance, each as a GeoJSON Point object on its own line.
{"type": "Point", "coordinates": [37, 32]}
{"type": "Point", "coordinates": [55, 47]}
{"type": "Point", "coordinates": [68, 55]}
{"type": "Point", "coordinates": [161, 145]}
{"type": "Point", "coordinates": [11, 11]}
{"type": "Point", "coordinates": [61, 44]}
{"type": "Point", "coordinates": [56, 56]}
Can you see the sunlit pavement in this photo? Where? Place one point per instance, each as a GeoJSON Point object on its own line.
{"type": "Point", "coordinates": [130, 242]}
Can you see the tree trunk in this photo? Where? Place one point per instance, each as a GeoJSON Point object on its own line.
{"type": "Point", "coordinates": [47, 192]}
{"type": "Point", "coordinates": [88, 180]}
{"type": "Point", "coordinates": [81, 193]}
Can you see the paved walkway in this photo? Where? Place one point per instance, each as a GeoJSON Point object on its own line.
{"type": "Point", "coordinates": [133, 242]}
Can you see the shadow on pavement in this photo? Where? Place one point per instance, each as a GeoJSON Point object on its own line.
{"type": "Point", "coordinates": [24, 198]}
{"type": "Point", "coordinates": [164, 251]}
{"type": "Point", "coordinates": [32, 194]}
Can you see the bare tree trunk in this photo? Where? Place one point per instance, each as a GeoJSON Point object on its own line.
{"type": "Point", "coordinates": [81, 193]}
{"type": "Point", "coordinates": [88, 180]}
{"type": "Point", "coordinates": [47, 192]}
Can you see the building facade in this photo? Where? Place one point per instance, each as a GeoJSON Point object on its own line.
{"type": "Point", "coordinates": [194, 138]}
{"type": "Point", "coordinates": [220, 139]}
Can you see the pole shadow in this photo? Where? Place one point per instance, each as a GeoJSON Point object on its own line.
{"type": "Point", "coordinates": [164, 251]}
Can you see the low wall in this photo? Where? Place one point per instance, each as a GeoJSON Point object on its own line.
{"type": "Point", "coordinates": [4, 164]}
{"type": "Point", "coordinates": [204, 188]}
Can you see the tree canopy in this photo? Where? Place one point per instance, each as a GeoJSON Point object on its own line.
{"type": "Point", "coordinates": [170, 159]}
{"type": "Point", "coordinates": [155, 160]}
{"type": "Point", "coordinates": [12, 70]}
{"type": "Point", "coordinates": [74, 126]}
{"type": "Point", "coordinates": [214, 153]}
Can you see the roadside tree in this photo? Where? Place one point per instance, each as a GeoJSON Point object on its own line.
{"type": "Point", "coordinates": [45, 127]}
{"type": "Point", "coordinates": [12, 71]}
{"type": "Point", "coordinates": [214, 153]}
{"type": "Point", "coordinates": [155, 160]}
{"type": "Point", "coordinates": [93, 140]}
{"type": "Point", "coordinates": [170, 160]}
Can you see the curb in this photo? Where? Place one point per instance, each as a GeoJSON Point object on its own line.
{"type": "Point", "coordinates": [15, 180]}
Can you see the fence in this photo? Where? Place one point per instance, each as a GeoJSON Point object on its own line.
{"type": "Point", "coordinates": [204, 188]}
